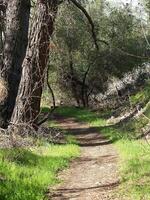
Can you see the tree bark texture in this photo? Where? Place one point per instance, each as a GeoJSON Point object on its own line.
{"type": "Point", "coordinates": [16, 40]}
{"type": "Point", "coordinates": [35, 64]}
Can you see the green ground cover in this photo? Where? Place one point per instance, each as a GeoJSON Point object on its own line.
{"type": "Point", "coordinates": [25, 174]}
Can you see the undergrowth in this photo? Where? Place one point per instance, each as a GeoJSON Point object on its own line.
{"type": "Point", "coordinates": [141, 96]}
{"type": "Point", "coordinates": [25, 174]}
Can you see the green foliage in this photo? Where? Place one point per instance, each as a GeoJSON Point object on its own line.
{"type": "Point", "coordinates": [71, 139]}
{"type": "Point", "coordinates": [46, 99]}
{"type": "Point", "coordinates": [82, 115]}
{"type": "Point", "coordinates": [26, 174]}
{"type": "Point", "coordinates": [142, 96]}
{"type": "Point", "coordinates": [147, 111]}
{"type": "Point", "coordinates": [135, 168]}
{"type": "Point", "coordinates": [45, 109]}
{"type": "Point", "coordinates": [126, 47]}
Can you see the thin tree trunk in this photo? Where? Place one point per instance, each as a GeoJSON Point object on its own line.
{"type": "Point", "coordinates": [73, 83]}
{"type": "Point", "coordinates": [50, 88]}
{"type": "Point", "coordinates": [84, 90]}
{"type": "Point", "coordinates": [16, 39]}
{"type": "Point", "coordinates": [35, 64]}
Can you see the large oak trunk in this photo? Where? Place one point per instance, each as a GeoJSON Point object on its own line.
{"type": "Point", "coordinates": [16, 39]}
{"type": "Point", "coordinates": [35, 64]}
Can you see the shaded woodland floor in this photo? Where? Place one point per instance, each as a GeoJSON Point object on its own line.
{"type": "Point", "coordinates": [94, 174]}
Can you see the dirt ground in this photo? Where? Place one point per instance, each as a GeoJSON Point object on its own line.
{"type": "Point", "coordinates": [92, 176]}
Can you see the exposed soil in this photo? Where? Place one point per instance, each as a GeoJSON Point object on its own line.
{"type": "Point", "coordinates": [92, 176]}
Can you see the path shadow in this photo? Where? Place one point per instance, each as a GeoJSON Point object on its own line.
{"type": "Point", "coordinates": [64, 194]}
{"type": "Point", "coordinates": [98, 160]}
{"type": "Point", "coordinates": [88, 136]}
{"type": "Point", "coordinates": [85, 136]}
{"type": "Point", "coordinates": [95, 144]}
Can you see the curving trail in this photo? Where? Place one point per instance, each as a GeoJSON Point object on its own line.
{"type": "Point", "coordinates": [92, 176]}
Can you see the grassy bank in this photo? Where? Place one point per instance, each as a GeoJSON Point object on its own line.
{"type": "Point", "coordinates": [134, 155]}
{"type": "Point", "coordinates": [26, 174]}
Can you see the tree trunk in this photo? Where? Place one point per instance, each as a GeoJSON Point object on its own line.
{"type": "Point", "coordinates": [16, 39]}
{"type": "Point", "coordinates": [84, 89]}
{"type": "Point", "coordinates": [72, 79]}
{"type": "Point", "coordinates": [27, 106]}
{"type": "Point", "coordinates": [2, 14]}
{"type": "Point", "coordinates": [50, 88]}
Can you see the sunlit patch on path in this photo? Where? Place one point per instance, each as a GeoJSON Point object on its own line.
{"type": "Point", "coordinates": [92, 176]}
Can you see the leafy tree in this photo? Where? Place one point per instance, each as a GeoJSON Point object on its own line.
{"type": "Point", "coordinates": [82, 70]}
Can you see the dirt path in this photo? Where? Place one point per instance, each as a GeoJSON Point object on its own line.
{"type": "Point", "coordinates": [94, 175]}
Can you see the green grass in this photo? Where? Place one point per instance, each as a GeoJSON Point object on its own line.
{"type": "Point", "coordinates": [142, 96]}
{"type": "Point", "coordinates": [135, 169]}
{"type": "Point", "coordinates": [134, 155]}
{"type": "Point", "coordinates": [71, 139]}
{"type": "Point", "coordinates": [84, 115]}
{"type": "Point", "coordinates": [45, 109]}
{"type": "Point", "coordinates": [26, 174]}
{"type": "Point", "coordinates": [147, 111]}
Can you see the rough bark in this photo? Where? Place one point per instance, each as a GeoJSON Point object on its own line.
{"type": "Point", "coordinates": [2, 16]}
{"type": "Point", "coordinates": [16, 39]}
{"type": "Point", "coordinates": [35, 64]}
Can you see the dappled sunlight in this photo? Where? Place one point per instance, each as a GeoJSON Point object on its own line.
{"type": "Point", "coordinates": [134, 154]}
{"type": "Point", "coordinates": [26, 173]}
{"type": "Point", "coordinates": [74, 100]}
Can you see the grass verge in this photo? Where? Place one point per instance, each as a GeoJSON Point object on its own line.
{"type": "Point", "coordinates": [134, 155]}
{"type": "Point", "coordinates": [25, 174]}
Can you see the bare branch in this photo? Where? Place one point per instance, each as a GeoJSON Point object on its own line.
{"type": "Point", "coordinates": [48, 115]}
{"type": "Point", "coordinates": [78, 5]}
{"type": "Point", "coordinates": [50, 89]}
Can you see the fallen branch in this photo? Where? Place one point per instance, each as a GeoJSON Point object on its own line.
{"type": "Point", "coordinates": [143, 135]}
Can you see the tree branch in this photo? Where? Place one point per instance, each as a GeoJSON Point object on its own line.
{"type": "Point", "coordinates": [3, 6]}
{"type": "Point", "coordinates": [48, 115]}
{"type": "Point", "coordinates": [78, 5]}
{"type": "Point", "coordinates": [50, 89]}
